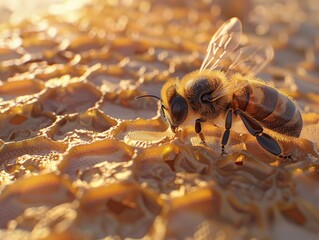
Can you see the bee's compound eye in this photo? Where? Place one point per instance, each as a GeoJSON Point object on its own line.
{"type": "Point", "coordinates": [179, 110]}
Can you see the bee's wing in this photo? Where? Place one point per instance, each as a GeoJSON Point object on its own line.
{"type": "Point", "coordinates": [229, 88]}
{"type": "Point", "coordinates": [251, 59]}
{"type": "Point", "coordinates": [224, 41]}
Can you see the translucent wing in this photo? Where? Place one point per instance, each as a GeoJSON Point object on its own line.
{"type": "Point", "coordinates": [228, 88]}
{"type": "Point", "coordinates": [224, 41]}
{"type": "Point", "coordinates": [251, 59]}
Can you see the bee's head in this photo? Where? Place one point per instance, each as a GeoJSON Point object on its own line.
{"type": "Point", "coordinates": [174, 106]}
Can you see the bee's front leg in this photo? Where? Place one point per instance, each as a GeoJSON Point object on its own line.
{"type": "Point", "coordinates": [228, 123]}
{"type": "Point", "coordinates": [198, 129]}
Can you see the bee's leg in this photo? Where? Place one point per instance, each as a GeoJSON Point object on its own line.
{"type": "Point", "coordinates": [266, 141]}
{"type": "Point", "coordinates": [198, 129]}
{"type": "Point", "coordinates": [228, 123]}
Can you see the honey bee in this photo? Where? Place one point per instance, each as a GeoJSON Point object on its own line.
{"type": "Point", "coordinates": [225, 86]}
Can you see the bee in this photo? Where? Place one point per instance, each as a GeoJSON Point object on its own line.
{"type": "Point", "coordinates": [225, 87]}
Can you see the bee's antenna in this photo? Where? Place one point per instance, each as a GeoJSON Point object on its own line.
{"type": "Point", "coordinates": [148, 96]}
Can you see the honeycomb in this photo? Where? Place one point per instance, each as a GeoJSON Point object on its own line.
{"type": "Point", "coordinates": [80, 158]}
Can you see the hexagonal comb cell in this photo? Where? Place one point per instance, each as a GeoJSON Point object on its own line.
{"type": "Point", "coordinates": [13, 89]}
{"type": "Point", "coordinates": [52, 72]}
{"type": "Point", "coordinates": [74, 98]}
{"type": "Point", "coordinates": [111, 78]}
{"type": "Point", "coordinates": [7, 72]}
{"type": "Point", "coordinates": [100, 152]}
{"type": "Point", "coordinates": [23, 122]}
{"type": "Point", "coordinates": [123, 209]}
{"type": "Point", "coordinates": [128, 46]}
{"type": "Point", "coordinates": [34, 45]}
{"type": "Point", "coordinates": [194, 208]}
{"type": "Point", "coordinates": [83, 126]}
{"type": "Point", "coordinates": [123, 105]}
{"type": "Point", "coordinates": [33, 191]}
{"type": "Point", "coordinates": [143, 131]}
{"type": "Point", "coordinates": [8, 55]}
{"type": "Point", "coordinates": [104, 58]}
{"type": "Point", "coordinates": [154, 166]}
{"type": "Point", "coordinates": [42, 147]}
{"type": "Point", "coordinates": [86, 43]}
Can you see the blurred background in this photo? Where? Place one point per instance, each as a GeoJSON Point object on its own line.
{"type": "Point", "coordinates": [17, 10]}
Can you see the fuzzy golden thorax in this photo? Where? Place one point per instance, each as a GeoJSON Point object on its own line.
{"type": "Point", "coordinates": [204, 94]}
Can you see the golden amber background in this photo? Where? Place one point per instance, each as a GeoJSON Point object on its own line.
{"type": "Point", "coordinates": [80, 158]}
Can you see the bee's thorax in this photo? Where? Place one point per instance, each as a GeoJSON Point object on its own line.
{"type": "Point", "coordinates": [203, 95]}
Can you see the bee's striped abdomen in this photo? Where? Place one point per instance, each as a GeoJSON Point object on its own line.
{"type": "Point", "coordinates": [272, 109]}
